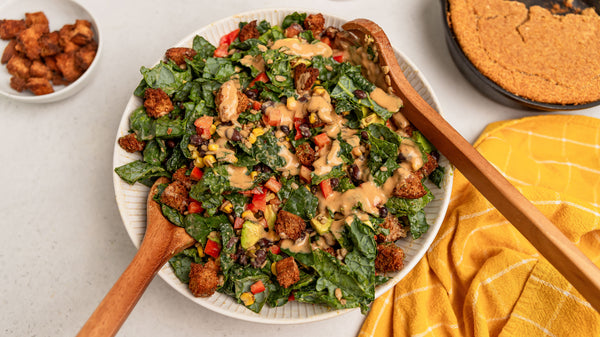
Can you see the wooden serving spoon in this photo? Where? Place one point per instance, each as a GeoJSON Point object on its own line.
{"type": "Point", "coordinates": [547, 239]}
{"type": "Point", "coordinates": [162, 241]}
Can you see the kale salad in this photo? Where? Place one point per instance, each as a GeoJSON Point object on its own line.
{"type": "Point", "coordinates": [295, 174]}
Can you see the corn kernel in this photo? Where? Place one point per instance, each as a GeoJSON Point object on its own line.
{"type": "Point", "coordinates": [319, 90]}
{"type": "Point", "coordinates": [247, 214]}
{"type": "Point", "coordinates": [247, 298]}
{"type": "Point", "coordinates": [253, 175]}
{"type": "Point", "coordinates": [209, 160]}
{"type": "Point", "coordinates": [274, 268]}
{"type": "Point", "coordinates": [227, 207]}
{"type": "Point", "coordinates": [199, 162]}
{"type": "Point", "coordinates": [195, 154]}
{"type": "Point", "coordinates": [291, 103]}
{"type": "Point", "coordinates": [252, 138]}
{"type": "Point", "coordinates": [213, 147]}
{"type": "Point", "coordinates": [312, 118]}
{"type": "Point", "coordinates": [317, 82]}
{"type": "Point", "coordinates": [200, 249]}
{"type": "Point", "coordinates": [345, 113]}
{"type": "Point", "coordinates": [191, 147]}
{"type": "Point", "coordinates": [212, 129]}
{"type": "Point", "coordinates": [258, 132]}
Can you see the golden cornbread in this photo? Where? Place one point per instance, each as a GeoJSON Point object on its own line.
{"type": "Point", "coordinates": [531, 52]}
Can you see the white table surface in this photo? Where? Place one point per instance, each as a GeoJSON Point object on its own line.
{"type": "Point", "coordinates": [63, 244]}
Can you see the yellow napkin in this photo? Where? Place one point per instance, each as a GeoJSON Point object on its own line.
{"type": "Point", "coordinates": [481, 277]}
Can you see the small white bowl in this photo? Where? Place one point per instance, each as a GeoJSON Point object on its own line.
{"type": "Point", "coordinates": [59, 13]}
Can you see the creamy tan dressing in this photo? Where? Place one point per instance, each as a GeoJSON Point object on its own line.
{"type": "Point", "coordinates": [390, 102]}
{"type": "Point", "coordinates": [330, 157]}
{"type": "Point", "coordinates": [270, 235]}
{"type": "Point", "coordinates": [322, 106]}
{"type": "Point", "coordinates": [368, 194]}
{"type": "Point", "coordinates": [294, 46]}
{"type": "Point", "coordinates": [239, 178]}
{"type": "Point", "coordinates": [399, 120]}
{"type": "Point", "coordinates": [286, 116]}
{"type": "Point", "coordinates": [292, 165]}
{"type": "Point", "coordinates": [359, 56]}
{"type": "Point", "coordinates": [301, 245]}
{"type": "Point", "coordinates": [229, 101]}
{"type": "Point", "coordinates": [412, 153]}
{"type": "Point", "coordinates": [256, 62]}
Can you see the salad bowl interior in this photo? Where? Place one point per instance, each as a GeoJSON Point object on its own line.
{"type": "Point", "coordinates": [131, 199]}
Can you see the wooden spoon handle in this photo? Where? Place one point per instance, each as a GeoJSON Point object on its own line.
{"type": "Point", "coordinates": [112, 312]}
{"type": "Point", "coordinates": [545, 237]}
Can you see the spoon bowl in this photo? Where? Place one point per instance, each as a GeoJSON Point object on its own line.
{"type": "Point", "coordinates": [162, 241]}
{"type": "Point", "coordinates": [549, 240]}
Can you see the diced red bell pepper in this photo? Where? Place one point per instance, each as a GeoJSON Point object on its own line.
{"type": "Point", "coordinates": [238, 223]}
{"type": "Point", "coordinates": [202, 125]}
{"type": "Point", "coordinates": [297, 124]}
{"type": "Point", "coordinates": [305, 174]}
{"type": "Point", "coordinates": [212, 248]}
{"type": "Point", "coordinates": [339, 58]}
{"type": "Point", "coordinates": [321, 140]}
{"type": "Point", "coordinates": [221, 51]}
{"type": "Point", "coordinates": [229, 37]}
{"type": "Point", "coordinates": [262, 77]}
{"type": "Point", "coordinates": [196, 173]}
{"type": "Point", "coordinates": [275, 249]}
{"type": "Point", "coordinates": [260, 201]}
{"type": "Point", "coordinates": [195, 207]}
{"type": "Point", "coordinates": [326, 188]}
{"type": "Point", "coordinates": [257, 287]}
{"type": "Point", "coordinates": [273, 185]}
{"type": "Point", "coordinates": [256, 105]}
{"type": "Point", "coordinates": [291, 297]}
{"type": "Point", "coordinates": [388, 124]}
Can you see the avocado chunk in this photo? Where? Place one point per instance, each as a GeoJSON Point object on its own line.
{"type": "Point", "coordinates": [371, 119]}
{"type": "Point", "coordinates": [321, 223]}
{"type": "Point", "coordinates": [251, 233]}
{"type": "Point", "coordinates": [270, 216]}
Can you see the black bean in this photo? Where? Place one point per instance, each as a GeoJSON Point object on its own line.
{"type": "Point", "coordinates": [263, 242]}
{"type": "Point", "coordinates": [170, 143]}
{"type": "Point", "coordinates": [285, 129]}
{"type": "Point", "coordinates": [232, 241]}
{"type": "Point", "coordinates": [334, 182]}
{"type": "Point", "coordinates": [364, 135]}
{"type": "Point", "coordinates": [354, 172]}
{"type": "Point", "coordinates": [283, 100]}
{"type": "Point", "coordinates": [266, 105]}
{"type": "Point", "coordinates": [259, 214]}
{"type": "Point", "coordinates": [261, 257]}
{"type": "Point", "coordinates": [196, 140]}
{"type": "Point", "coordinates": [252, 93]}
{"type": "Point", "coordinates": [303, 99]}
{"type": "Point", "coordinates": [304, 130]}
{"type": "Point", "coordinates": [314, 189]}
{"type": "Point", "coordinates": [383, 212]}
{"type": "Point", "coordinates": [359, 94]}
{"type": "Point", "coordinates": [236, 136]}
{"type": "Point", "coordinates": [243, 260]}
{"type": "Point", "coordinates": [435, 155]}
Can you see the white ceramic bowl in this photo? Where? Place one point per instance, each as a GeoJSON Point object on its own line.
{"type": "Point", "coordinates": [132, 199]}
{"type": "Point", "coordinates": [59, 13]}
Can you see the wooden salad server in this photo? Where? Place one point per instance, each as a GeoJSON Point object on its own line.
{"type": "Point", "coordinates": [162, 241]}
{"type": "Point", "coordinates": [545, 237]}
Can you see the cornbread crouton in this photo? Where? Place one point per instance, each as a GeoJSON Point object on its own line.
{"type": "Point", "coordinates": [389, 258]}
{"type": "Point", "coordinates": [287, 272]}
{"type": "Point", "coordinates": [157, 103]}
{"type": "Point", "coordinates": [131, 144]}
{"type": "Point", "coordinates": [39, 85]}
{"type": "Point", "coordinates": [9, 29]}
{"type": "Point", "coordinates": [204, 278]}
{"type": "Point", "coordinates": [289, 225]}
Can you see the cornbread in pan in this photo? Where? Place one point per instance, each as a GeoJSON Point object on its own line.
{"type": "Point", "coordinates": [530, 51]}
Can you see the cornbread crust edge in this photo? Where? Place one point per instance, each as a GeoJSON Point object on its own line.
{"type": "Point", "coordinates": [531, 53]}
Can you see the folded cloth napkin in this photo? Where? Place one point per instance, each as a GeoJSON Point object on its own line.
{"type": "Point", "coordinates": [481, 277]}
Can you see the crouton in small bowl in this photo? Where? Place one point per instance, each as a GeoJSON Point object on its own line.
{"type": "Point", "coordinates": [49, 48]}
